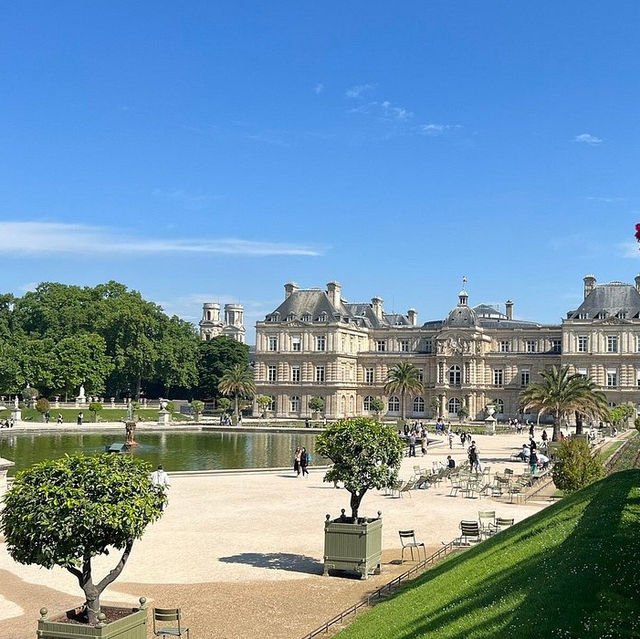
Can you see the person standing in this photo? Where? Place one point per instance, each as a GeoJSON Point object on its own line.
{"type": "Point", "coordinates": [304, 461]}
{"type": "Point", "coordinates": [533, 461]}
{"type": "Point", "coordinates": [412, 445]}
{"type": "Point", "coordinates": [160, 478]}
{"type": "Point", "coordinates": [450, 436]}
{"type": "Point", "coordinates": [80, 418]}
{"type": "Point", "coordinates": [296, 461]}
{"type": "Point", "coordinates": [424, 442]}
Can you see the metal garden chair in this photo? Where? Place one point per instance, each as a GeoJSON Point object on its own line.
{"type": "Point", "coordinates": [164, 615]}
{"type": "Point", "coordinates": [408, 540]}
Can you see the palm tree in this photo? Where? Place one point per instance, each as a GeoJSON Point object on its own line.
{"type": "Point", "coordinates": [561, 393]}
{"type": "Point", "coordinates": [403, 378]}
{"type": "Point", "coordinates": [237, 381]}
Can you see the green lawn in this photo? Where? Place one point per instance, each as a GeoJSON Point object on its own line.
{"type": "Point", "coordinates": [107, 415]}
{"type": "Point", "coordinates": [568, 571]}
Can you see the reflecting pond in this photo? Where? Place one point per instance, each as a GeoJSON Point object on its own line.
{"type": "Point", "coordinates": [178, 450]}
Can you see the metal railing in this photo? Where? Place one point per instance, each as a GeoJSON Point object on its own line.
{"type": "Point", "coordinates": [387, 589]}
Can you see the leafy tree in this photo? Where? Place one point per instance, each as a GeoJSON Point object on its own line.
{"type": "Point", "coordinates": [575, 467]}
{"type": "Point", "coordinates": [42, 406]}
{"type": "Point", "coordinates": [561, 393]}
{"type": "Point", "coordinates": [197, 407]}
{"type": "Point", "coordinates": [434, 405]}
{"type": "Point", "coordinates": [95, 408]}
{"type": "Point", "coordinates": [81, 359]}
{"type": "Point", "coordinates": [237, 382]}
{"type": "Point", "coordinates": [316, 404]}
{"type": "Point", "coordinates": [365, 455]}
{"type": "Point", "coordinates": [215, 358]}
{"type": "Point", "coordinates": [403, 378]}
{"type": "Point", "coordinates": [66, 511]}
{"type": "Point", "coordinates": [463, 413]}
{"type": "Point", "coordinates": [263, 402]}
{"type": "Point", "coordinates": [224, 404]}
{"type": "Point", "coordinates": [377, 405]}
{"type": "Point", "coordinates": [177, 354]}
{"type": "Point", "coordinates": [621, 413]}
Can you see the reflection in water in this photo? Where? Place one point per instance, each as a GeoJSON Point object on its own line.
{"type": "Point", "coordinates": [179, 450]}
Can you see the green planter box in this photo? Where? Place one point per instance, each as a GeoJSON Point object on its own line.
{"type": "Point", "coordinates": [353, 547]}
{"type": "Point", "coordinates": [133, 626]}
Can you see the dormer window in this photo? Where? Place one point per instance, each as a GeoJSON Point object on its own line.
{"type": "Point", "coordinates": [583, 316]}
{"type": "Point", "coordinates": [274, 317]}
{"type": "Point", "coordinates": [621, 315]}
{"type": "Point", "coordinates": [290, 317]}
{"type": "Point", "coordinates": [322, 317]}
{"type": "Point", "coordinates": [306, 317]}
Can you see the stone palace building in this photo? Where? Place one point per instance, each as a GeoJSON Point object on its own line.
{"type": "Point", "coordinates": [316, 344]}
{"type": "Point", "coordinates": [212, 326]}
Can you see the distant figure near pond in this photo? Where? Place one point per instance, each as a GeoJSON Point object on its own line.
{"type": "Point", "coordinates": [130, 433]}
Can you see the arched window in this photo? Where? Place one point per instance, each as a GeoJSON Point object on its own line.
{"type": "Point", "coordinates": [343, 405]}
{"type": "Point", "coordinates": [499, 403]}
{"type": "Point", "coordinates": [295, 404]}
{"type": "Point", "coordinates": [351, 406]}
{"type": "Point", "coordinates": [394, 405]}
{"type": "Point", "coordinates": [367, 402]}
{"type": "Point", "coordinates": [418, 405]}
{"type": "Point", "coordinates": [453, 406]}
{"type": "Point", "coordinates": [454, 375]}
{"type": "Point", "coordinates": [209, 315]}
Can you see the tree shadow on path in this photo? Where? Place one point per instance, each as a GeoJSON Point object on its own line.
{"type": "Point", "coordinates": [277, 561]}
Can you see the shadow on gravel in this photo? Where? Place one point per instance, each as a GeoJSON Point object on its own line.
{"type": "Point", "coordinates": [277, 561]}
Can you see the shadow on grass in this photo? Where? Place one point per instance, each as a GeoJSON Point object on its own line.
{"type": "Point", "coordinates": [277, 561]}
{"type": "Point", "coordinates": [570, 571]}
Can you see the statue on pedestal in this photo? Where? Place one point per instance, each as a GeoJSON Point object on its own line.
{"type": "Point", "coordinates": [130, 433]}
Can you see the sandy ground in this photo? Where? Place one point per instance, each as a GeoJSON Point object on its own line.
{"type": "Point", "coordinates": [241, 553]}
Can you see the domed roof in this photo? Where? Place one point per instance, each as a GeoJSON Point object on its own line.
{"type": "Point", "coordinates": [461, 317]}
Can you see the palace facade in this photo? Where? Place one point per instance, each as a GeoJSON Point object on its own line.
{"type": "Point", "coordinates": [316, 344]}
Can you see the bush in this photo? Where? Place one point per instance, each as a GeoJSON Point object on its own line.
{"type": "Point", "coordinates": [64, 512]}
{"type": "Point", "coordinates": [95, 408]}
{"type": "Point", "coordinates": [224, 403]}
{"type": "Point", "coordinates": [197, 406]}
{"type": "Point", "coordinates": [377, 405]}
{"type": "Point", "coordinates": [316, 404]}
{"type": "Point", "coordinates": [42, 405]}
{"type": "Point", "coordinates": [171, 407]}
{"type": "Point", "coordinates": [575, 467]}
{"type": "Point", "coordinates": [636, 423]}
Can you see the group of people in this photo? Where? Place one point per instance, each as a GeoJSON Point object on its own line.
{"type": "Point", "coordinates": [412, 434]}
{"type": "Point", "coordinates": [225, 420]}
{"type": "Point", "coordinates": [7, 423]}
{"type": "Point", "coordinates": [534, 457]}
{"type": "Point", "coordinates": [301, 460]}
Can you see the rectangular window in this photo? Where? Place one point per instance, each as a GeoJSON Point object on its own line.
{"type": "Point", "coordinates": [404, 345]}
{"type": "Point", "coordinates": [428, 346]}
{"type": "Point", "coordinates": [583, 343]}
{"type": "Point", "coordinates": [612, 377]}
{"type": "Point", "coordinates": [612, 343]}
{"type": "Point", "coordinates": [498, 377]}
{"type": "Point", "coordinates": [420, 375]}
{"type": "Point", "coordinates": [530, 346]}
{"type": "Point", "coordinates": [368, 375]}
{"type": "Point", "coordinates": [581, 371]}
{"type": "Point", "coordinates": [296, 343]}
{"type": "Point", "coordinates": [321, 343]}
{"type": "Point", "coordinates": [638, 344]}
{"type": "Point", "coordinates": [637, 376]}
{"type": "Point", "coordinates": [272, 374]}
{"type": "Point", "coordinates": [525, 378]}
{"type": "Point", "coordinates": [295, 374]}
{"type": "Point", "coordinates": [381, 345]}
{"type": "Point", "coordinates": [505, 346]}
{"type": "Point", "coordinates": [273, 343]}
{"type": "Point", "coordinates": [556, 346]}
{"type": "Point", "coordinates": [319, 373]}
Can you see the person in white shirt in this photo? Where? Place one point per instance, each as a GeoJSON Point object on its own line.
{"type": "Point", "coordinates": [160, 478]}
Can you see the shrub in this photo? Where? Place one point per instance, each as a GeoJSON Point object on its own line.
{"type": "Point", "coordinates": [197, 407]}
{"type": "Point", "coordinates": [575, 467]}
{"type": "Point", "coordinates": [377, 405]}
{"type": "Point", "coordinates": [224, 403]}
{"type": "Point", "coordinates": [64, 512]}
{"type": "Point", "coordinates": [316, 404]}
{"type": "Point", "coordinates": [171, 407]}
{"type": "Point", "coordinates": [636, 423]}
{"type": "Point", "coordinates": [95, 408]}
{"type": "Point", "coordinates": [42, 405]}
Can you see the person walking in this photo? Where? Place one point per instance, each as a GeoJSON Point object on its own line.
{"type": "Point", "coordinates": [296, 461]}
{"type": "Point", "coordinates": [450, 436]}
{"type": "Point", "coordinates": [160, 478]}
{"type": "Point", "coordinates": [304, 461]}
{"type": "Point", "coordinates": [412, 445]}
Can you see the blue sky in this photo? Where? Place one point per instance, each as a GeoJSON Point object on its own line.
{"type": "Point", "coordinates": [216, 150]}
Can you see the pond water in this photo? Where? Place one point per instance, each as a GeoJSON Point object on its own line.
{"type": "Point", "coordinates": [175, 450]}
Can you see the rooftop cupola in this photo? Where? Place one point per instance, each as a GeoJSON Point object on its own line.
{"type": "Point", "coordinates": [463, 298]}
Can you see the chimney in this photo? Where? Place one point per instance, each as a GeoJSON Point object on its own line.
{"type": "Point", "coordinates": [334, 291]}
{"type": "Point", "coordinates": [589, 285]}
{"type": "Point", "coordinates": [289, 288]}
{"type": "Point", "coordinates": [413, 316]}
{"type": "Point", "coordinates": [509, 308]}
{"type": "Point", "coordinates": [376, 305]}
{"type": "Point", "coordinates": [638, 283]}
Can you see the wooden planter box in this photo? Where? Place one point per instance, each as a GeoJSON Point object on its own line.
{"type": "Point", "coordinates": [133, 626]}
{"type": "Point", "coordinates": [353, 547]}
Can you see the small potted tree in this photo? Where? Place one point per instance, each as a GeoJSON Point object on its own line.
{"type": "Point", "coordinates": [64, 512]}
{"type": "Point", "coordinates": [365, 455]}
{"type": "Point", "coordinates": [377, 406]}
{"type": "Point", "coordinates": [196, 408]}
{"type": "Point", "coordinates": [42, 406]}
{"type": "Point", "coordinates": [95, 408]}
{"type": "Point", "coordinates": [263, 402]}
{"type": "Point", "coordinates": [463, 413]}
{"type": "Point", "coordinates": [29, 395]}
{"type": "Point", "coordinates": [316, 404]}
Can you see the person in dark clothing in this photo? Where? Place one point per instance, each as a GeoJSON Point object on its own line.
{"type": "Point", "coordinates": [451, 463]}
{"type": "Point", "coordinates": [304, 461]}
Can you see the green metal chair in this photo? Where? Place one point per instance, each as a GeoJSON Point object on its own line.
{"type": "Point", "coordinates": [408, 540]}
{"type": "Point", "coordinates": [164, 615]}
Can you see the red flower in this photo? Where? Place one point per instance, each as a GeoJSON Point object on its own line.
{"type": "Point", "coordinates": [638, 232]}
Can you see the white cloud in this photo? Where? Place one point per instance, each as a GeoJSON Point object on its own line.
{"type": "Point", "coordinates": [29, 287]}
{"type": "Point", "coordinates": [587, 138]}
{"type": "Point", "coordinates": [358, 90]}
{"type": "Point", "coordinates": [607, 200]}
{"type": "Point", "coordinates": [437, 129]}
{"type": "Point", "coordinates": [395, 112]}
{"type": "Point", "coordinates": [52, 238]}
{"type": "Point", "coordinates": [319, 88]}
{"type": "Point", "coordinates": [384, 110]}
{"type": "Point", "coordinates": [630, 249]}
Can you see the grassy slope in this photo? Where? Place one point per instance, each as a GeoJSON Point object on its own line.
{"type": "Point", "coordinates": [568, 571]}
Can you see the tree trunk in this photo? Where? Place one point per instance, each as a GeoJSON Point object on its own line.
{"type": "Point", "coordinates": [235, 409]}
{"type": "Point", "coordinates": [556, 426]}
{"type": "Point", "coordinates": [355, 505]}
{"type": "Point", "coordinates": [578, 423]}
{"type": "Point", "coordinates": [402, 407]}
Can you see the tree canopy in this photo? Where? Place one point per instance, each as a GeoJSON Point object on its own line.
{"type": "Point", "coordinates": [238, 382]}
{"type": "Point", "coordinates": [403, 378]}
{"type": "Point", "coordinates": [215, 358]}
{"type": "Point", "coordinates": [365, 454]}
{"type": "Point", "coordinates": [64, 512]}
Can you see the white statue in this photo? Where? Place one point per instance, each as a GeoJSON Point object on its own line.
{"type": "Point", "coordinates": [15, 402]}
{"type": "Point", "coordinates": [81, 393]}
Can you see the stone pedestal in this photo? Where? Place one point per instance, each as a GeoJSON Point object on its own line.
{"type": "Point", "coordinates": [5, 464]}
{"type": "Point", "coordinates": [16, 414]}
{"type": "Point", "coordinates": [56, 402]}
{"type": "Point", "coordinates": [164, 417]}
